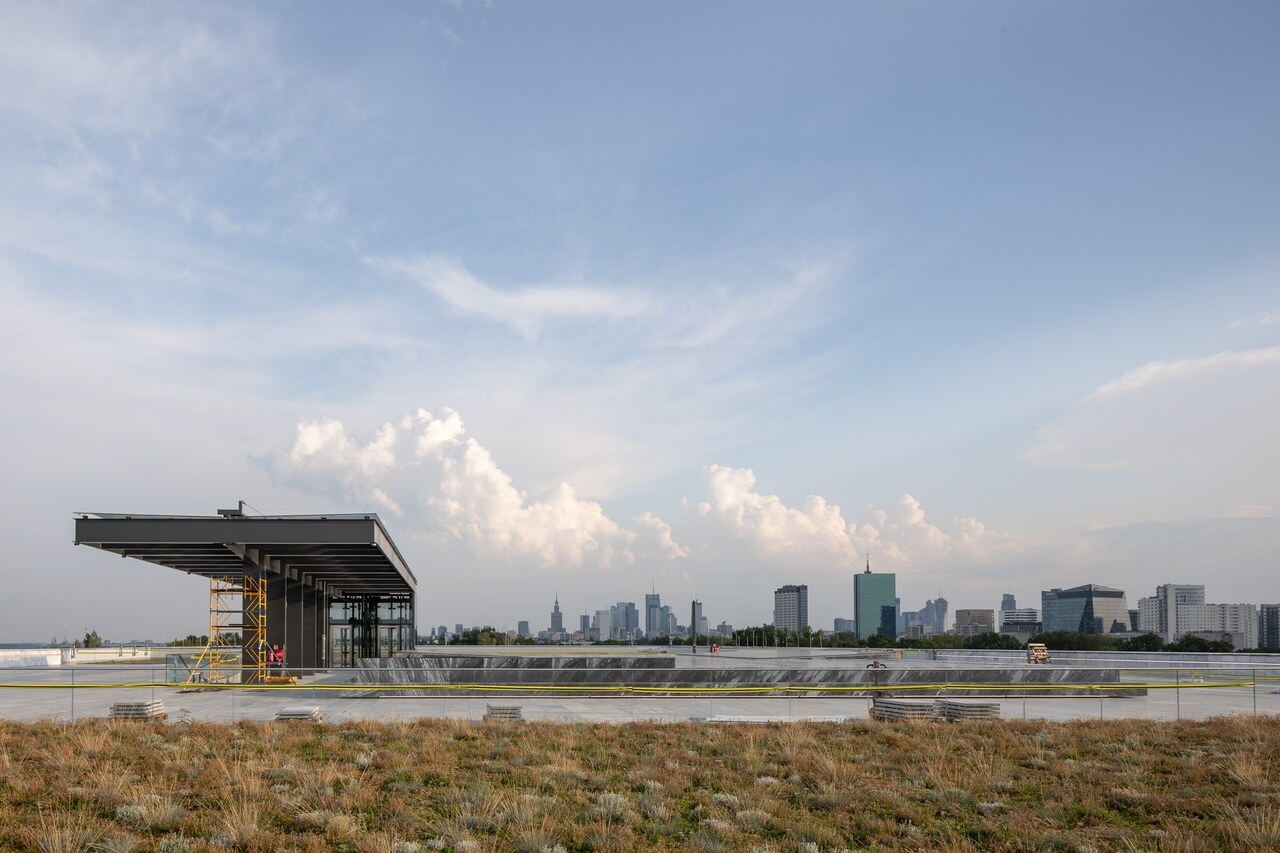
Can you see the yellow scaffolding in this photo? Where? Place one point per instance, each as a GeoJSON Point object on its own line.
{"type": "Point", "coordinates": [237, 647]}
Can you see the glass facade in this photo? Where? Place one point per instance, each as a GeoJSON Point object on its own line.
{"type": "Point", "coordinates": [1088, 609]}
{"type": "Point", "coordinates": [875, 606]}
{"type": "Point", "coordinates": [370, 626]}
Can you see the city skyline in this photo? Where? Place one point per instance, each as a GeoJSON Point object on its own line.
{"type": "Point", "coordinates": [602, 297]}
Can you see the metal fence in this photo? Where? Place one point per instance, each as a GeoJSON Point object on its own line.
{"type": "Point", "coordinates": [1158, 693]}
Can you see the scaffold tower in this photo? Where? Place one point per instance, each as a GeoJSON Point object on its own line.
{"type": "Point", "coordinates": [237, 629]}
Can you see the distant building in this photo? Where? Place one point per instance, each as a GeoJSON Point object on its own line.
{"type": "Point", "coordinates": [874, 607]}
{"type": "Point", "coordinates": [557, 618]}
{"type": "Point", "coordinates": [626, 620]}
{"type": "Point", "coordinates": [724, 629]}
{"type": "Point", "coordinates": [844, 626]}
{"type": "Point", "coordinates": [1269, 626]}
{"type": "Point", "coordinates": [602, 625]}
{"type": "Point", "coordinates": [584, 625]}
{"type": "Point", "coordinates": [1238, 620]}
{"type": "Point", "coordinates": [1017, 616]}
{"type": "Point", "coordinates": [1008, 602]}
{"type": "Point", "coordinates": [1088, 609]}
{"type": "Point", "coordinates": [457, 629]}
{"type": "Point", "coordinates": [654, 625]}
{"type": "Point", "coordinates": [791, 607]}
{"type": "Point", "coordinates": [970, 622]}
{"type": "Point", "coordinates": [522, 628]}
{"type": "Point", "coordinates": [1159, 613]}
{"type": "Point", "coordinates": [698, 624]}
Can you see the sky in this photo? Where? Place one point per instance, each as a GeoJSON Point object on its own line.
{"type": "Point", "coordinates": [593, 299]}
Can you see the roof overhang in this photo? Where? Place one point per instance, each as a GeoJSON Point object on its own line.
{"type": "Point", "coordinates": [344, 554]}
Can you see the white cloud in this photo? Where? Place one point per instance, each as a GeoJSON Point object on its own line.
{"type": "Point", "coordinates": [454, 487]}
{"type": "Point", "coordinates": [524, 309]}
{"type": "Point", "coordinates": [1199, 420]}
{"type": "Point", "coordinates": [1172, 371]}
{"type": "Point", "coordinates": [815, 533]}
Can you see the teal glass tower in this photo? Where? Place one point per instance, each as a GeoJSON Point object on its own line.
{"type": "Point", "coordinates": [875, 609]}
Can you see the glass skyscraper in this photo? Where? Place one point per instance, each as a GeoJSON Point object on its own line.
{"type": "Point", "coordinates": [875, 608]}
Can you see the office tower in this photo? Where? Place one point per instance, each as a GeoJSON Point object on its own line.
{"type": "Point", "coordinates": [724, 629]}
{"type": "Point", "coordinates": [1007, 602]}
{"type": "Point", "coordinates": [653, 625]}
{"type": "Point", "coordinates": [1158, 614]}
{"type": "Point", "coordinates": [1269, 626]}
{"type": "Point", "coordinates": [791, 607]}
{"type": "Point", "coordinates": [522, 628]}
{"type": "Point", "coordinates": [844, 626]}
{"type": "Point", "coordinates": [627, 622]}
{"type": "Point", "coordinates": [457, 629]}
{"type": "Point", "coordinates": [602, 625]}
{"type": "Point", "coordinates": [874, 611]}
{"type": "Point", "coordinates": [557, 618]}
{"type": "Point", "coordinates": [584, 625]}
{"type": "Point", "coordinates": [1088, 609]}
{"type": "Point", "coordinates": [970, 623]}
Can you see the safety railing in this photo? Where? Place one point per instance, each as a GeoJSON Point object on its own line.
{"type": "Point", "coordinates": [70, 693]}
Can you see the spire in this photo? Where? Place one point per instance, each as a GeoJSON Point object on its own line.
{"type": "Point", "coordinates": [868, 564]}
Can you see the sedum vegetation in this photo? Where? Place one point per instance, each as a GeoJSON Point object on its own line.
{"type": "Point", "coordinates": [447, 785]}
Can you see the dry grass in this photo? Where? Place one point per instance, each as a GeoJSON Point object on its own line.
{"type": "Point", "coordinates": [449, 785]}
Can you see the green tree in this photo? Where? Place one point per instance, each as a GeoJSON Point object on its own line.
{"type": "Point", "coordinates": [991, 640]}
{"type": "Point", "coordinates": [1144, 643]}
{"type": "Point", "coordinates": [92, 640]}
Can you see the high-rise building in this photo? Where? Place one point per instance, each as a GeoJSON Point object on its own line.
{"type": "Point", "coordinates": [970, 623]}
{"type": "Point", "coordinates": [1159, 613]}
{"type": "Point", "coordinates": [625, 619]}
{"type": "Point", "coordinates": [584, 625]}
{"type": "Point", "coordinates": [844, 626]}
{"type": "Point", "coordinates": [1238, 620]}
{"type": "Point", "coordinates": [602, 625]}
{"type": "Point", "coordinates": [653, 624]}
{"type": "Point", "coordinates": [457, 629]}
{"type": "Point", "coordinates": [522, 628]}
{"type": "Point", "coordinates": [874, 610]}
{"type": "Point", "coordinates": [1007, 602]}
{"type": "Point", "coordinates": [1269, 626]}
{"type": "Point", "coordinates": [557, 618]}
{"type": "Point", "coordinates": [1088, 609]}
{"type": "Point", "coordinates": [791, 607]}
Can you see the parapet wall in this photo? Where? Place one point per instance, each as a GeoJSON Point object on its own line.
{"type": "Point", "coordinates": [486, 674]}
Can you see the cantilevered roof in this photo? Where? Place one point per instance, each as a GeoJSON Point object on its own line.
{"type": "Point", "coordinates": [350, 554]}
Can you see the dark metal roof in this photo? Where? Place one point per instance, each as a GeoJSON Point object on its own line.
{"type": "Point", "coordinates": [351, 554]}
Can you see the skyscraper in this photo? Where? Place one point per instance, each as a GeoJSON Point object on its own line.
{"type": "Point", "coordinates": [791, 607]}
{"type": "Point", "coordinates": [1008, 602]}
{"type": "Point", "coordinates": [874, 608]}
{"type": "Point", "coordinates": [557, 618]}
{"type": "Point", "coordinates": [653, 624]}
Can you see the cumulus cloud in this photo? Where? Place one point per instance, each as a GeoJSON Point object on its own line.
{"type": "Point", "coordinates": [524, 309]}
{"type": "Point", "coordinates": [813, 530]}
{"type": "Point", "coordinates": [424, 465]}
{"type": "Point", "coordinates": [816, 533]}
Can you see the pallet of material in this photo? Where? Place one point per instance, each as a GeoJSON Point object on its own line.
{"type": "Point", "coordinates": [901, 709]}
{"type": "Point", "coordinates": [503, 712]}
{"type": "Point", "coordinates": [949, 709]}
{"type": "Point", "coordinates": [153, 710]}
{"type": "Point", "coordinates": [307, 713]}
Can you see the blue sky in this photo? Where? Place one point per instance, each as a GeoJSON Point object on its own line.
{"type": "Point", "coordinates": [589, 297]}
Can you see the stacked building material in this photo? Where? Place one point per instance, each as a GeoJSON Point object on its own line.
{"type": "Point", "coordinates": [901, 709]}
{"type": "Point", "coordinates": [949, 709]}
{"type": "Point", "coordinates": [503, 712]}
{"type": "Point", "coordinates": [153, 710]}
{"type": "Point", "coordinates": [307, 713]}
